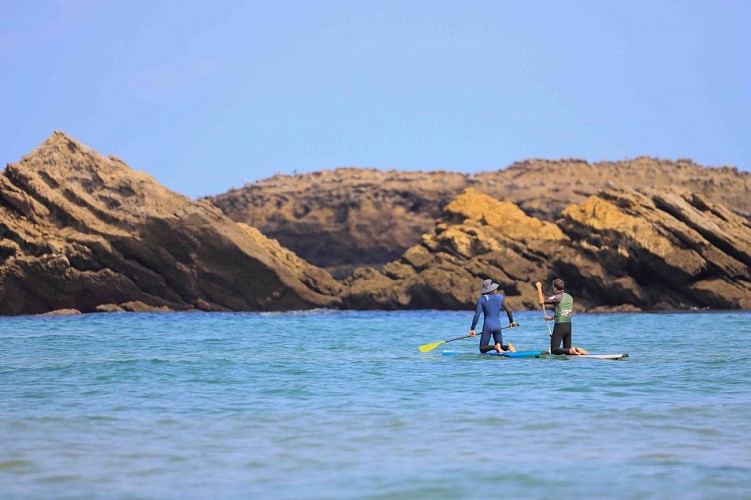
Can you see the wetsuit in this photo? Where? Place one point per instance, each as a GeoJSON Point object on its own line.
{"type": "Point", "coordinates": [490, 305]}
{"type": "Point", "coordinates": [564, 307]}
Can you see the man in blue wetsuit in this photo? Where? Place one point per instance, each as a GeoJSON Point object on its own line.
{"type": "Point", "coordinates": [489, 305]}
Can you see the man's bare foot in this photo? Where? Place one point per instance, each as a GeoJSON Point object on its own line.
{"type": "Point", "coordinates": [499, 348]}
{"type": "Point", "coordinates": [511, 347]}
{"type": "Point", "coordinates": [581, 350]}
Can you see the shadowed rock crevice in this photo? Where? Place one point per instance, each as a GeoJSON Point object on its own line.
{"type": "Point", "coordinates": [713, 222]}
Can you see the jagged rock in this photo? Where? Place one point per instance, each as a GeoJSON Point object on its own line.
{"type": "Point", "coordinates": [78, 230]}
{"type": "Point", "coordinates": [477, 237]}
{"type": "Point", "coordinates": [678, 247]}
{"type": "Point", "coordinates": [341, 218]}
{"type": "Point", "coordinates": [62, 312]}
{"type": "Point", "coordinates": [344, 218]}
{"type": "Point", "coordinates": [620, 250]}
{"type": "Point", "coordinates": [104, 308]}
{"type": "Point", "coordinates": [138, 306]}
{"type": "Point", "coordinates": [82, 232]}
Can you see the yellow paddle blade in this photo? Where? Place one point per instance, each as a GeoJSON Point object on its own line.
{"type": "Point", "coordinates": [430, 347]}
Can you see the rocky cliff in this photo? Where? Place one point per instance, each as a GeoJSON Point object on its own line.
{"type": "Point", "coordinates": [343, 218]}
{"type": "Point", "coordinates": [82, 231]}
{"type": "Point", "coordinates": [654, 250]}
{"type": "Point", "coordinates": [79, 231]}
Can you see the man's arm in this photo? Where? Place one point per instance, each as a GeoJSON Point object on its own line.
{"type": "Point", "coordinates": [476, 317]}
{"type": "Point", "coordinates": [508, 313]}
{"type": "Point", "coordinates": [553, 299]}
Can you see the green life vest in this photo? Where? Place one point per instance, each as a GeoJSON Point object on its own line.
{"type": "Point", "coordinates": [564, 309]}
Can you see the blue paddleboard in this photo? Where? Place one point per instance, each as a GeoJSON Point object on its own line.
{"type": "Point", "coordinates": [517, 354]}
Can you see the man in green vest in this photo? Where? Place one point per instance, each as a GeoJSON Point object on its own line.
{"type": "Point", "coordinates": [564, 307]}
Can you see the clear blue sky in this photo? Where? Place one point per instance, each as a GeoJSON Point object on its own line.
{"type": "Point", "coordinates": [207, 95]}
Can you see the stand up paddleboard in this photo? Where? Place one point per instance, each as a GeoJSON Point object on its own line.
{"type": "Point", "coordinates": [622, 355]}
{"type": "Point", "coordinates": [540, 354]}
{"type": "Point", "coordinates": [517, 354]}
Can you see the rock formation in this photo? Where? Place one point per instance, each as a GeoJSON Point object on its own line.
{"type": "Point", "coordinates": [345, 217]}
{"type": "Point", "coordinates": [655, 250]}
{"type": "Point", "coordinates": [349, 217]}
{"type": "Point", "coordinates": [81, 231]}
{"type": "Point", "coordinates": [664, 249]}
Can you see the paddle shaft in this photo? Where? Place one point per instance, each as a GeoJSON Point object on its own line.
{"type": "Point", "coordinates": [457, 338]}
{"type": "Point", "coordinates": [544, 312]}
{"type": "Point", "coordinates": [547, 323]}
{"type": "Point", "coordinates": [465, 336]}
{"type": "Point", "coordinates": [430, 347]}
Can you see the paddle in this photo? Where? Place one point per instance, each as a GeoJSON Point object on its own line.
{"type": "Point", "coordinates": [430, 347]}
{"type": "Point", "coordinates": [544, 312]}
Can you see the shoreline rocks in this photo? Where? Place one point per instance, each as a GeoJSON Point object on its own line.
{"type": "Point", "coordinates": [80, 232]}
{"type": "Point", "coordinates": [620, 250]}
{"type": "Point", "coordinates": [348, 217]}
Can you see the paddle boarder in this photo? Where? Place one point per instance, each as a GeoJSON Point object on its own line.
{"type": "Point", "coordinates": [564, 308]}
{"type": "Point", "coordinates": [489, 305]}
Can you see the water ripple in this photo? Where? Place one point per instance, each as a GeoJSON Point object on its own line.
{"type": "Point", "coordinates": [337, 404]}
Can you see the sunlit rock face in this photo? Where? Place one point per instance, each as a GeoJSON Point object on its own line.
{"type": "Point", "coordinates": [349, 217]}
{"type": "Point", "coordinates": [82, 231]}
{"type": "Point", "coordinates": [619, 250]}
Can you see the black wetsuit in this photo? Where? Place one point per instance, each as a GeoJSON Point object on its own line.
{"type": "Point", "coordinates": [564, 305]}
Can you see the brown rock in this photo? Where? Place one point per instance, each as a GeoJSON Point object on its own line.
{"type": "Point", "coordinates": [683, 250]}
{"type": "Point", "coordinates": [341, 218]}
{"type": "Point", "coordinates": [478, 237]}
{"type": "Point", "coordinates": [82, 232]}
{"type": "Point", "coordinates": [349, 217]}
{"type": "Point", "coordinates": [62, 312]}
{"type": "Point", "coordinates": [104, 308]}
{"type": "Point", "coordinates": [621, 250]}
{"type": "Point", "coordinates": [79, 230]}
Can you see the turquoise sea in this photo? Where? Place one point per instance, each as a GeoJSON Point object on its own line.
{"type": "Point", "coordinates": [331, 404]}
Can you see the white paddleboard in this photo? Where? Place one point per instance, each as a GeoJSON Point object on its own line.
{"type": "Point", "coordinates": [604, 356]}
{"type": "Point", "coordinates": [621, 355]}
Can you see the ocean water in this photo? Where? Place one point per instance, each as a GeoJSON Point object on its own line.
{"type": "Point", "coordinates": [328, 404]}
